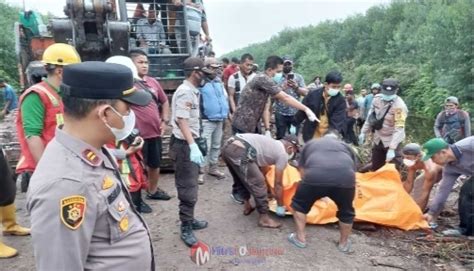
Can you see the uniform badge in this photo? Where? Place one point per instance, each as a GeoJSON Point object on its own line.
{"type": "Point", "coordinates": [91, 157]}
{"type": "Point", "coordinates": [107, 183]}
{"type": "Point", "coordinates": [121, 206]}
{"type": "Point", "coordinates": [123, 225]}
{"type": "Point", "coordinates": [73, 209]}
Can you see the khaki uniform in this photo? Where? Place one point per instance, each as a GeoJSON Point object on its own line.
{"type": "Point", "coordinates": [81, 213]}
{"type": "Point", "coordinates": [392, 132]}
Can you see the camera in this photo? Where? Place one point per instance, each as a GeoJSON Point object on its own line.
{"type": "Point", "coordinates": [290, 76]}
{"type": "Point", "coordinates": [130, 138]}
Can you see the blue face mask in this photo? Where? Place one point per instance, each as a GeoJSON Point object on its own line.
{"type": "Point", "coordinates": [277, 77]}
{"type": "Point", "coordinates": [388, 98]}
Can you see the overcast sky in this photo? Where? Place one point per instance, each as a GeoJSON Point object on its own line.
{"type": "Point", "coordinates": [236, 23]}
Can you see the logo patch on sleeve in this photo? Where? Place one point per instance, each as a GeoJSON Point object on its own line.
{"type": "Point", "coordinates": [73, 209]}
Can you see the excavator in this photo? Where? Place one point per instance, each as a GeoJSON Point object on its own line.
{"type": "Point", "coordinates": [99, 29]}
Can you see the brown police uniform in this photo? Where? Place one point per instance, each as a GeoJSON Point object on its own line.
{"type": "Point", "coordinates": [81, 213]}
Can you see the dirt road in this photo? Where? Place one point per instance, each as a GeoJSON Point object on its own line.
{"type": "Point", "coordinates": [229, 232]}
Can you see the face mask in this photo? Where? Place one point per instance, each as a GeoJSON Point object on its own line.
{"type": "Point", "coordinates": [128, 125]}
{"type": "Point", "coordinates": [277, 77]}
{"type": "Point", "coordinates": [333, 92]}
{"type": "Point", "coordinates": [450, 111]}
{"type": "Point", "coordinates": [409, 163]}
{"type": "Point", "coordinates": [387, 98]}
{"type": "Point", "coordinates": [287, 69]}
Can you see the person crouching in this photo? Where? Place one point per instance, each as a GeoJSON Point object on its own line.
{"type": "Point", "coordinates": [245, 155]}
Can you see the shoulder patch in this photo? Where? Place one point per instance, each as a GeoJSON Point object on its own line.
{"type": "Point", "coordinates": [73, 209]}
{"type": "Point", "coordinates": [90, 156]}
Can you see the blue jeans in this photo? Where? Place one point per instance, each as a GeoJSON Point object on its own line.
{"type": "Point", "coordinates": [212, 131]}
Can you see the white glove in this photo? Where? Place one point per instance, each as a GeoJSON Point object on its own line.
{"type": "Point", "coordinates": [280, 211]}
{"type": "Point", "coordinates": [292, 130]}
{"type": "Point", "coordinates": [390, 155]}
{"type": "Point", "coordinates": [311, 116]}
{"type": "Point", "coordinates": [361, 139]}
{"type": "Point", "coordinates": [268, 133]}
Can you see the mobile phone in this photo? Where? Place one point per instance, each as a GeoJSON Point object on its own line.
{"type": "Point", "coordinates": [290, 76]}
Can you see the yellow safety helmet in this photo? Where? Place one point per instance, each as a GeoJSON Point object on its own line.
{"type": "Point", "coordinates": [61, 54]}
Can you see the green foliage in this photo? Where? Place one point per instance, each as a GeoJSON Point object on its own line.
{"type": "Point", "coordinates": [8, 62]}
{"type": "Point", "coordinates": [426, 45]}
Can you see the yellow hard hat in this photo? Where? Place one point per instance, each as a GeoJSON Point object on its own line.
{"type": "Point", "coordinates": [61, 54]}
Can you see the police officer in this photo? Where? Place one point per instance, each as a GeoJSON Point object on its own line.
{"type": "Point", "coordinates": [183, 147]}
{"type": "Point", "coordinates": [81, 213]}
{"type": "Point", "coordinates": [386, 120]}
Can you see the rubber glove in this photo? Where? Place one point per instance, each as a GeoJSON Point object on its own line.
{"type": "Point", "coordinates": [268, 133]}
{"type": "Point", "coordinates": [390, 155]}
{"type": "Point", "coordinates": [195, 155]}
{"type": "Point", "coordinates": [361, 139]}
{"type": "Point", "coordinates": [311, 116]}
{"type": "Point", "coordinates": [292, 130]}
{"type": "Point", "coordinates": [280, 211]}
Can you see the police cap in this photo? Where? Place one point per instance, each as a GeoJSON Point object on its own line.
{"type": "Point", "coordinates": [102, 81]}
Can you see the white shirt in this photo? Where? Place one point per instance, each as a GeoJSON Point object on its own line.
{"type": "Point", "coordinates": [242, 80]}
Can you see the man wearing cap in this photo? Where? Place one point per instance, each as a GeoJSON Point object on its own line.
{"type": "Point", "coordinates": [82, 216]}
{"type": "Point", "coordinates": [452, 124]}
{"type": "Point", "coordinates": [246, 155]}
{"type": "Point", "coordinates": [239, 79]}
{"type": "Point", "coordinates": [41, 108]}
{"type": "Point", "coordinates": [456, 159]}
{"type": "Point", "coordinates": [293, 85]}
{"type": "Point", "coordinates": [151, 122]}
{"type": "Point", "coordinates": [184, 149]}
{"type": "Point", "coordinates": [214, 110]}
{"type": "Point", "coordinates": [374, 90]}
{"type": "Point", "coordinates": [9, 98]}
{"type": "Point", "coordinates": [423, 183]}
{"type": "Point", "coordinates": [386, 120]}
{"type": "Point", "coordinates": [327, 167]}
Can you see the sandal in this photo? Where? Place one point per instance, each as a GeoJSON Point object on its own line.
{"type": "Point", "coordinates": [347, 249]}
{"type": "Point", "coordinates": [297, 243]}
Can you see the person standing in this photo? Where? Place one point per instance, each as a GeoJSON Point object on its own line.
{"type": "Point", "coordinates": [82, 216]}
{"type": "Point", "coordinates": [452, 124]}
{"type": "Point", "coordinates": [456, 159]}
{"type": "Point", "coordinates": [150, 31]}
{"type": "Point", "coordinates": [151, 122]}
{"type": "Point", "coordinates": [327, 167]}
{"type": "Point", "coordinates": [232, 68]}
{"type": "Point", "coordinates": [374, 90]}
{"type": "Point", "coordinates": [7, 198]}
{"type": "Point", "coordinates": [9, 97]}
{"type": "Point", "coordinates": [239, 80]}
{"type": "Point", "coordinates": [184, 149]}
{"type": "Point", "coordinates": [330, 108]}
{"type": "Point", "coordinates": [316, 83]}
{"type": "Point", "coordinates": [386, 120]}
{"type": "Point", "coordinates": [214, 111]}
{"type": "Point", "coordinates": [352, 116]}
{"type": "Point", "coordinates": [293, 85]}
{"type": "Point", "coordinates": [40, 109]}
{"type": "Point", "coordinates": [361, 103]}
{"type": "Point", "coordinates": [255, 99]}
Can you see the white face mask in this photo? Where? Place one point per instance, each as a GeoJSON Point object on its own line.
{"type": "Point", "coordinates": [409, 163]}
{"type": "Point", "coordinates": [128, 125]}
{"type": "Point", "coordinates": [333, 92]}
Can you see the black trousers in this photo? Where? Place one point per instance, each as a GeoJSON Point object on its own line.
{"type": "Point", "coordinates": [379, 155]}
{"type": "Point", "coordinates": [283, 124]}
{"type": "Point", "coordinates": [350, 136]}
{"type": "Point", "coordinates": [466, 207]}
{"type": "Point", "coordinates": [7, 184]}
{"type": "Point", "coordinates": [186, 178]}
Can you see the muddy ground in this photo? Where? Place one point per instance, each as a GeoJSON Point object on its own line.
{"type": "Point", "coordinates": [382, 249]}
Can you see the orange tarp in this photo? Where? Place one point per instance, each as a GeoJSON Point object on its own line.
{"type": "Point", "coordinates": [379, 198]}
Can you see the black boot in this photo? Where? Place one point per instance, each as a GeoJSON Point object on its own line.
{"type": "Point", "coordinates": [199, 224]}
{"type": "Point", "coordinates": [187, 234]}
